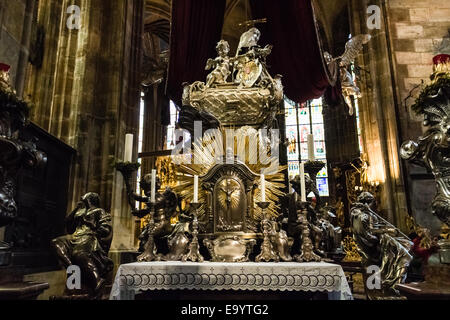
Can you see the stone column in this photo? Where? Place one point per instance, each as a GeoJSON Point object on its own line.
{"type": "Point", "coordinates": [87, 94]}
{"type": "Point", "coordinates": [379, 112]}
{"type": "Point", "coordinates": [16, 19]}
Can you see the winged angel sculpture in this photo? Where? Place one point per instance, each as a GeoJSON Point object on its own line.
{"type": "Point", "coordinates": [349, 88]}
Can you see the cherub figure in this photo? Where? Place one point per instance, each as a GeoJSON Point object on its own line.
{"type": "Point", "coordinates": [221, 65]}
{"type": "Point", "coordinates": [165, 208]}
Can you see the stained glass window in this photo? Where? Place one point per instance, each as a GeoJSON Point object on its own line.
{"type": "Point", "coordinates": [302, 120]}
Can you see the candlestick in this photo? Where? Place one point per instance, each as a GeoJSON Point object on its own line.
{"type": "Point", "coordinates": [263, 188]}
{"type": "Point", "coordinates": [268, 252]}
{"type": "Point", "coordinates": [311, 151]}
{"type": "Point", "coordinates": [195, 189]}
{"type": "Point", "coordinates": [194, 254]}
{"type": "Point", "coordinates": [153, 194]}
{"type": "Point", "coordinates": [149, 253]}
{"type": "Point", "coordinates": [128, 156]}
{"type": "Point", "coordinates": [302, 182]}
{"type": "Point", "coordinates": [307, 247]}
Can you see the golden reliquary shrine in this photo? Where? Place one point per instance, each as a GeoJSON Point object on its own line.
{"type": "Point", "coordinates": [229, 150]}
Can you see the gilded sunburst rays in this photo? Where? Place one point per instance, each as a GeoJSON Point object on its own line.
{"type": "Point", "coordinates": [205, 156]}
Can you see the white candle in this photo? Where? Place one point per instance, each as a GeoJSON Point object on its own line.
{"type": "Point", "coordinates": [195, 189]}
{"type": "Point", "coordinates": [153, 194]}
{"type": "Point", "coordinates": [311, 152]}
{"type": "Point", "coordinates": [302, 182]}
{"type": "Point", "coordinates": [263, 188]}
{"type": "Point", "coordinates": [128, 157]}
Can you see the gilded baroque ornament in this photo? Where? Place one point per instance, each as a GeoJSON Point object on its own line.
{"type": "Point", "coordinates": [251, 97]}
{"type": "Point", "coordinates": [239, 93]}
{"type": "Point", "coordinates": [236, 214]}
{"type": "Point", "coordinates": [351, 250]}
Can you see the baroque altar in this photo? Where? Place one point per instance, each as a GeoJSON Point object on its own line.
{"type": "Point", "coordinates": [222, 217]}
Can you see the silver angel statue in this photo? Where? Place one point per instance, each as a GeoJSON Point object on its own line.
{"type": "Point", "coordinates": [165, 208]}
{"type": "Point", "coordinates": [432, 150]}
{"type": "Point", "coordinates": [348, 82]}
{"type": "Point", "coordinates": [221, 65]}
{"type": "Point", "coordinates": [380, 244]}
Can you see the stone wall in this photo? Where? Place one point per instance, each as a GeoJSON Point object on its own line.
{"type": "Point", "coordinates": [379, 114]}
{"type": "Point", "coordinates": [87, 94]}
{"type": "Point", "coordinates": [417, 28]}
{"type": "Point", "coordinates": [15, 33]}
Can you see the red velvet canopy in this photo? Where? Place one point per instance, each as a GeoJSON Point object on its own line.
{"type": "Point", "coordinates": [196, 29]}
{"type": "Point", "coordinates": [290, 28]}
{"type": "Point", "coordinates": [296, 55]}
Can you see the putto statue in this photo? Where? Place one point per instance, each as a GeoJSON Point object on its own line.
{"type": "Point", "coordinates": [221, 65]}
{"type": "Point", "coordinates": [380, 244]}
{"type": "Point", "coordinates": [251, 65]}
{"type": "Point", "coordinates": [165, 207]}
{"type": "Point", "coordinates": [88, 242]}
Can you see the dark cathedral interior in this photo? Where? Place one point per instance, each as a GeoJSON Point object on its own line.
{"type": "Point", "coordinates": [233, 150]}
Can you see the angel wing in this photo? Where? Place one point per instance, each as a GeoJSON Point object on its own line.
{"type": "Point", "coordinates": [210, 64]}
{"type": "Point", "coordinates": [249, 39]}
{"type": "Point", "coordinates": [353, 47]}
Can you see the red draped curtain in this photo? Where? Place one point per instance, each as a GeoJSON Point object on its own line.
{"type": "Point", "coordinates": [296, 55]}
{"type": "Point", "coordinates": [196, 29]}
{"type": "Point", "coordinates": [291, 29]}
